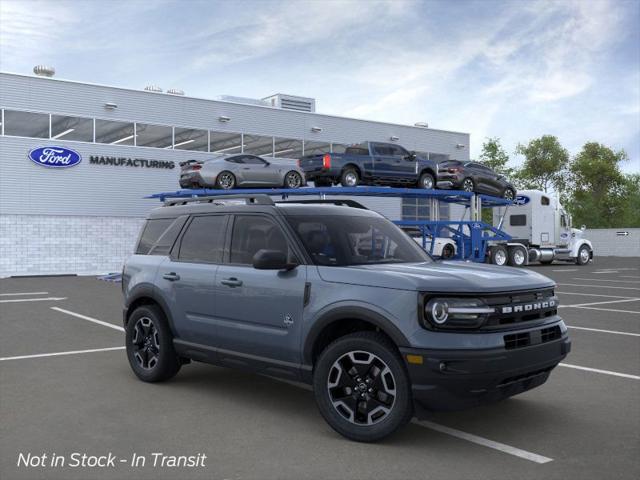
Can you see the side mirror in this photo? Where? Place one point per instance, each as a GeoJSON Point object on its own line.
{"type": "Point", "coordinates": [411, 156]}
{"type": "Point", "coordinates": [271, 260]}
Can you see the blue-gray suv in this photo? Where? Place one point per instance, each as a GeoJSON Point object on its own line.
{"type": "Point", "coordinates": [338, 297]}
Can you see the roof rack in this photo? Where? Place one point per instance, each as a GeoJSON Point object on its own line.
{"type": "Point", "coordinates": [258, 199]}
{"type": "Point", "coordinates": [343, 202]}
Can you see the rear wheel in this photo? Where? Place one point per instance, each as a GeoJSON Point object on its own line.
{"type": "Point", "coordinates": [226, 180]}
{"type": "Point", "coordinates": [149, 345]}
{"type": "Point", "coordinates": [468, 185]}
{"type": "Point", "coordinates": [426, 181]}
{"type": "Point", "coordinates": [517, 256]}
{"type": "Point", "coordinates": [349, 178]}
{"type": "Point", "coordinates": [362, 388]}
{"type": "Point", "coordinates": [499, 255]}
{"type": "Point", "coordinates": [584, 255]}
{"type": "Point", "coordinates": [293, 179]}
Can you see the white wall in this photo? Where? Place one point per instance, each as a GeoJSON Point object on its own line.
{"type": "Point", "coordinates": [607, 242]}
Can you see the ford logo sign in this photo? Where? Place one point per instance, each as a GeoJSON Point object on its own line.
{"type": "Point", "coordinates": [55, 157]}
{"type": "Point", "coordinates": [521, 200]}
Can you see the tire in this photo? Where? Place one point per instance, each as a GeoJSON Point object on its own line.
{"type": "Point", "coordinates": [149, 345]}
{"type": "Point", "coordinates": [426, 182]}
{"type": "Point", "coordinates": [292, 180]}
{"type": "Point", "coordinates": [392, 406]}
{"type": "Point", "coordinates": [499, 255]}
{"type": "Point", "coordinates": [448, 252]}
{"type": "Point", "coordinates": [509, 194]}
{"type": "Point", "coordinates": [349, 177]}
{"type": "Point", "coordinates": [225, 180]}
{"type": "Point", "coordinates": [584, 255]}
{"type": "Point", "coordinates": [322, 182]}
{"type": "Point", "coordinates": [468, 185]}
{"type": "Point", "coordinates": [517, 257]}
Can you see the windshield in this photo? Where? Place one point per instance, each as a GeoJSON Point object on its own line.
{"type": "Point", "coordinates": [340, 241]}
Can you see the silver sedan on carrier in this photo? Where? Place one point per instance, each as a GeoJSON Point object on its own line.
{"type": "Point", "coordinates": [244, 170]}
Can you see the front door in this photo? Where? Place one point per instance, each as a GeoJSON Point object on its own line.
{"type": "Point", "coordinates": [257, 171]}
{"type": "Point", "coordinates": [259, 312]}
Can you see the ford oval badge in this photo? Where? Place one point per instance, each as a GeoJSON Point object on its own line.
{"type": "Point", "coordinates": [55, 157]}
{"type": "Point", "coordinates": [521, 200]}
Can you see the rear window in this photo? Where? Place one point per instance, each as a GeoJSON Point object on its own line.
{"type": "Point", "coordinates": [153, 229]}
{"type": "Point", "coordinates": [357, 151]}
{"type": "Point", "coordinates": [518, 220]}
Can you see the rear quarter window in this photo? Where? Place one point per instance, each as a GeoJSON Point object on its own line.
{"type": "Point", "coordinates": [159, 235]}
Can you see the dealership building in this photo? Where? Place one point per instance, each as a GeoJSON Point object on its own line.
{"type": "Point", "coordinates": [127, 144]}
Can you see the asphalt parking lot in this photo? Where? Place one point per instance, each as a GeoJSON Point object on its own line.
{"type": "Point", "coordinates": [583, 423]}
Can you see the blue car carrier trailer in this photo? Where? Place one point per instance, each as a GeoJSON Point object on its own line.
{"type": "Point", "coordinates": [475, 240]}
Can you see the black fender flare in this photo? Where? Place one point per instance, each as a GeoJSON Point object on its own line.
{"type": "Point", "coordinates": [148, 291]}
{"type": "Point", "coordinates": [357, 167]}
{"type": "Point", "coordinates": [351, 313]}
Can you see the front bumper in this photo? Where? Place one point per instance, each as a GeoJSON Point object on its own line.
{"type": "Point", "coordinates": [457, 379]}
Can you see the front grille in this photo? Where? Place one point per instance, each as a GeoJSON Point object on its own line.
{"type": "Point", "coordinates": [535, 337]}
{"type": "Point", "coordinates": [524, 377]}
{"type": "Point", "coordinates": [515, 300]}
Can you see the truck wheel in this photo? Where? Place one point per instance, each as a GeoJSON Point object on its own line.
{"type": "Point", "coordinates": [349, 178]}
{"type": "Point", "coordinates": [448, 251]}
{"type": "Point", "coordinates": [226, 180]}
{"type": "Point", "coordinates": [499, 255]}
{"type": "Point", "coordinates": [517, 256]}
{"type": "Point", "coordinates": [362, 388]}
{"type": "Point", "coordinates": [468, 185]}
{"type": "Point", "coordinates": [426, 181]}
{"type": "Point", "coordinates": [584, 255]}
{"type": "Point", "coordinates": [149, 345]}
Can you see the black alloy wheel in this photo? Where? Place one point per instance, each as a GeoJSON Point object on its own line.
{"type": "Point", "coordinates": [226, 180]}
{"type": "Point", "coordinates": [509, 194]}
{"type": "Point", "coordinates": [293, 179]}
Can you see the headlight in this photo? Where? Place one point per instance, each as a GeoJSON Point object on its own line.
{"type": "Point", "coordinates": [456, 312]}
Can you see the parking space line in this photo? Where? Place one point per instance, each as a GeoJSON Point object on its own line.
{"type": "Point", "coordinates": [593, 295]}
{"type": "Point", "coordinates": [607, 280]}
{"type": "Point", "coordinates": [88, 319]}
{"type": "Point", "coordinates": [597, 370]}
{"type": "Point", "coordinates": [56, 354]}
{"type": "Point", "coordinates": [606, 271]}
{"type": "Point", "coordinates": [44, 299]}
{"type": "Point", "coordinates": [610, 310]}
{"type": "Point", "coordinates": [599, 303]}
{"type": "Point", "coordinates": [597, 286]}
{"type": "Point", "coordinates": [629, 276]}
{"type": "Point", "coordinates": [22, 293]}
{"type": "Point", "coordinates": [567, 270]}
{"type": "Point", "coordinates": [485, 442]}
{"type": "Point", "coordinates": [604, 331]}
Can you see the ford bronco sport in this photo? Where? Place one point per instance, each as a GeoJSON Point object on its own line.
{"type": "Point", "coordinates": [337, 297]}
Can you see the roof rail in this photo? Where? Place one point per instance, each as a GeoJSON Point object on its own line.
{"type": "Point", "coordinates": [257, 199]}
{"type": "Point", "coordinates": [342, 202]}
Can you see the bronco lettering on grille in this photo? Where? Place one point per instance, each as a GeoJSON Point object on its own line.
{"type": "Point", "coordinates": [529, 307]}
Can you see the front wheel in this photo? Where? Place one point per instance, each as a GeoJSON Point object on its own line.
{"type": "Point", "coordinates": [584, 255]}
{"type": "Point", "coordinates": [149, 345]}
{"type": "Point", "coordinates": [293, 180]}
{"type": "Point", "coordinates": [426, 181]}
{"type": "Point", "coordinates": [362, 388]}
{"type": "Point", "coordinates": [448, 251]}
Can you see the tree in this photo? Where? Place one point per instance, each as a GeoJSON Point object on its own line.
{"type": "Point", "coordinates": [600, 195]}
{"type": "Point", "coordinates": [495, 157]}
{"type": "Point", "coordinates": [545, 164]}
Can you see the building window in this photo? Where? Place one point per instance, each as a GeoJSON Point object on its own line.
{"type": "Point", "coordinates": [258, 145]}
{"type": "Point", "coordinates": [316, 148]}
{"type": "Point", "coordinates": [287, 148]}
{"type": "Point", "coordinates": [415, 209]}
{"type": "Point", "coordinates": [71, 128]}
{"type": "Point", "coordinates": [157, 136]}
{"type": "Point", "coordinates": [114, 133]}
{"type": "Point", "coordinates": [225, 143]}
{"type": "Point", "coordinates": [191, 139]}
{"type": "Point", "coordinates": [26, 124]}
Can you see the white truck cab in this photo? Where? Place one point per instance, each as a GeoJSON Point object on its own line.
{"type": "Point", "coordinates": [541, 228]}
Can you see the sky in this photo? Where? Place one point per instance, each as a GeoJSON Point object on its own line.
{"type": "Point", "coordinates": [510, 69]}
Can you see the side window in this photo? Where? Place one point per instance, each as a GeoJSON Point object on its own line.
{"type": "Point", "coordinates": [544, 201]}
{"type": "Point", "coordinates": [238, 159]}
{"type": "Point", "coordinates": [518, 220]}
{"type": "Point", "coordinates": [563, 220]}
{"type": "Point", "coordinates": [253, 160]}
{"type": "Point", "coordinates": [203, 240]}
{"type": "Point", "coordinates": [381, 149]}
{"type": "Point", "coordinates": [252, 233]}
{"type": "Point", "coordinates": [168, 238]}
{"type": "Point", "coordinates": [398, 151]}
{"type": "Point", "coordinates": [153, 229]}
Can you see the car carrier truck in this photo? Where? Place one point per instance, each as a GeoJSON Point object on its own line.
{"type": "Point", "coordinates": [540, 231]}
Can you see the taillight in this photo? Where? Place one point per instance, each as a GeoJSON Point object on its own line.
{"type": "Point", "coordinates": [196, 167]}
{"type": "Point", "coordinates": [453, 170]}
{"type": "Point", "coordinates": [299, 162]}
{"type": "Point", "coordinates": [326, 161]}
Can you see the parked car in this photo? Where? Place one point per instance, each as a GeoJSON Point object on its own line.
{"type": "Point", "coordinates": [231, 171]}
{"type": "Point", "coordinates": [444, 248]}
{"type": "Point", "coordinates": [371, 163]}
{"type": "Point", "coordinates": [337, 297]}
{"type": "Point", "coordinates": [474, 177]}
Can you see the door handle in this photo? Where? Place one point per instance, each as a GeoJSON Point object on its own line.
{"type": "Point", "coordinates": [231, 282]}
{"type": "Point", "coordinates": [172, 276]}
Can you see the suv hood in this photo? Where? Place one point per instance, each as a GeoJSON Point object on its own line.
{"type": "Point", "coordinates": [451, 276]}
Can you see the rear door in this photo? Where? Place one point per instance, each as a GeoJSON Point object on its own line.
{"type": "Point", "coordinates": [383, 160]}
{"type": "Point", "coordinates": [186, 279]}
{"type": "Point", "coordinates": [258, 312]}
